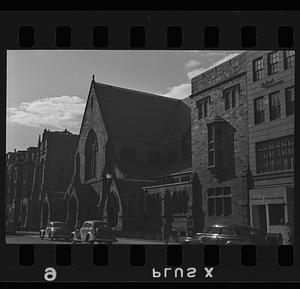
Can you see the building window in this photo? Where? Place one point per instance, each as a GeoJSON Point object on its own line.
{"type": "Point", "coordinates": [274, 155]}
{"type": "Point", "coordinates": [274, 105]}
{"type": "Point", "coordinates": [230, 96]}
{"type": "Point", "coordinates": [258, 68]}
{"type": "Point", "coordinates": [92, 102]}
{"type": "Point", "coordinates": [276, 214]}
{"type": "Point", "coordinates": [202, 106]}
{"type": "Point", "coordinates": [91, 151]}
{"type": "Point", "coordinates": [211, 146]}
{"type": "Point", "coordinates": [290, 100]}
{"type": "Point", "coordinates": [219, 201]}
{"type": "Point", "coordinates": [259, 110]}
{"type": "Point", "coordinates": [215, 144]}
{"type": "Point", "coordinates": [289, 59]}
{"type": "Point", "coordinates": [273, 62]}
{"type": "Point", "coordinates": [128, 153]}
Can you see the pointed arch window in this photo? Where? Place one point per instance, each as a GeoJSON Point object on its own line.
{"type": "Point", "coordinates": [91, 151]}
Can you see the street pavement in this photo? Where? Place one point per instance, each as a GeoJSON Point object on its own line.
{"type": "Point", "coordinates": [34, 238]}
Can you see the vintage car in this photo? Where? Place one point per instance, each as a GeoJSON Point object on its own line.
{"type": "Point", "coordinates": [56, 230]}
{"type": "Point", "coordinates": [94, 231]}
{"type": "Point", "coordinates": [10, 228]}
{"type": "Point", "coordinates": [228, 234]}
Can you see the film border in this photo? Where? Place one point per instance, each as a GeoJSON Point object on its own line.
{"type": "Point", "coordinates": [200, 30]}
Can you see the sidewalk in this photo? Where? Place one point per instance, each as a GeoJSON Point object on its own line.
{"type": "Point", "coordinates": [143, 241]}
{"type": "Point", "coordinates": [24, 233]}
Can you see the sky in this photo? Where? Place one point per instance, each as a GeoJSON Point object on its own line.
{"type": "Point", "coordinates": [47, 89]}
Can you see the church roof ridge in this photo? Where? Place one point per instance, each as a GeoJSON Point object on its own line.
{"type": "Point", "coordinates": [139, 91]}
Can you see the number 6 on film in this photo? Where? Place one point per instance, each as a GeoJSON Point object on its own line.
{"type": "Point", "coordinates": [50, 274]}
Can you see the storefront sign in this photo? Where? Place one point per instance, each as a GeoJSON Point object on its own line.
{"type": "Point", "coordinates": [261, 198]}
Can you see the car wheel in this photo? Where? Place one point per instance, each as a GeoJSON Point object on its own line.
{"type": "Point", "coordinates": [88, 239]}
{"type": "Point", "coordinates": [51, 236]}
{"type": "Point", "coordinates": [72, 239]}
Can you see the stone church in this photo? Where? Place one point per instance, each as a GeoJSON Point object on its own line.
{"type": "Point", "coordinates": [132, 166]}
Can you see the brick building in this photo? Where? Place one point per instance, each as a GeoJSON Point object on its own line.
{"type": "Point", "coordinates": [19, 179]}
{"type": "Point", "coordinates": [52, 175]}
{"type": "Point", "coordinates": [128, 140]}
{"type": "Point", "coordinates": [271, 99]}
{"type": "Point", "coordinates": [219, 121]}
{"type": "Point", "coordinates": [37, 179]}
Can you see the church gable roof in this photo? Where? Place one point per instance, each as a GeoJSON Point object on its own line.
{"type": "Point", "coordinates": [139, 116]}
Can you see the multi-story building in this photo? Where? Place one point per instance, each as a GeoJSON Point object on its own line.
{"type": "Point", "coordinates": [271, 101]}
{"type": "Point", "coordinates": [220, 142]}
{"type": "Point", "coordinates": [20, 168]}
{"type": "Point", "coordinates": [52, 175]}
{"type": "Point", "coordinates": [37, 179]}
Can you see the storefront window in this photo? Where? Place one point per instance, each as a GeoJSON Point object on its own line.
{"type": "Point", "coordinates": [276, 214]}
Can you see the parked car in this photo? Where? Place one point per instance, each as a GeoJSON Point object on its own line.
{"type": "Point", "coordinates": [56, 230]}
{"type": "Point", "coordinates": [10, 228]}
{"type": "Point", "coordinates": [94, 231]}
{"type": "Point", "coordinates": [228, 234]}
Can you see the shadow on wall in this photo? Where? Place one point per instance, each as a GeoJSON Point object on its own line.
{"type": "Point", "coordinates": [224, 168]}
{"type": "Point", "coordinates": [229, 156]}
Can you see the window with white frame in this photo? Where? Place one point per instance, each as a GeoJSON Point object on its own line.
{"type": "Point", "coordinates": [273, 62]}
{"type": "Point", "coordinates": [289, 58]}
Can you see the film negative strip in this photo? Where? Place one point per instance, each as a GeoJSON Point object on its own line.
{"type": "Point", "coordinates": [177, 165]}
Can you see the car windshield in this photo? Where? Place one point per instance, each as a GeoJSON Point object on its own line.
{"type": "Point", "coordinates": [213, 230]}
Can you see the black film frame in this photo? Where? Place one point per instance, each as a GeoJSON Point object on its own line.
{"type": "Point", "coordinates": [144, 30]}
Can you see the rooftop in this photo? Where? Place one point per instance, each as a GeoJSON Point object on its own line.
{"type": "Point", "coordinates": [139, 116]}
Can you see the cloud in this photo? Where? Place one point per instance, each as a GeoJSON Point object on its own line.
{"type": "Point", "coordinates": [52, 113]}
{"type": "Point", "coordinates": [192, 64]}
{"type": "Point", "coordinates": [179, 92]}
{"type": "Point", "coordinates": [195, 72]}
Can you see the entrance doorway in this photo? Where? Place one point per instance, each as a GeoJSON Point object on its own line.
{"type": "Point", "coordinates": [112, 209]}
{"type": "Point", "coordinates": [259, 216]}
